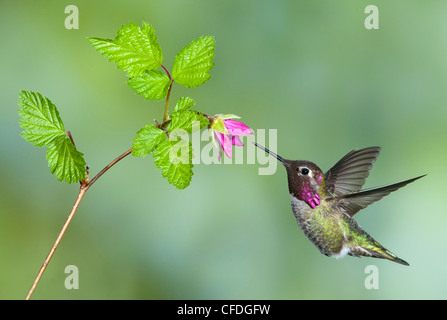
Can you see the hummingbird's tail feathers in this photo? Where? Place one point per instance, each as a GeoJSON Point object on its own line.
{"type": "Point", "coordinates": [400, 261]}
{"type": "Point", "coordinates": [392, 257]}
{"type": "Point", "coordinates": [377, 252]}
{"type": "Point", "coordinates": [355, 201]}
{"type": "Point", "coordinates": [387, 254]}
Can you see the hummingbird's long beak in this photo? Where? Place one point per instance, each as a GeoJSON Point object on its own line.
{"type": "Point", "coordinates": [284, 162]}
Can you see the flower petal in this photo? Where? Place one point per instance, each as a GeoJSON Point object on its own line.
{"type": "Point", "coordinates": [220, 154]}
{"type": "Point", "coordinates": [224, 142]}
{"type": "Point", "coordinates": [235, 141]}
{"type": "Point", "coordinates": [237, 128]}
{"type": "Point", "coordinates": [219, 138]}
{"type": "Point", "coordinates": [227, 145]}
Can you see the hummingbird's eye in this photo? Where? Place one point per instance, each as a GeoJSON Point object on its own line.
{"type": "Point", "coordinates": [304, 171]}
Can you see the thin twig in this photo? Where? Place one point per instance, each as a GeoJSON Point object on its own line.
{"type": "Point", "coordinates": [84, 187]}
{"type": "Point", "coordinates": [71, 138]}
{"type": "Point", "coordinates": [82, 191]}
{"type": "Point", "coordinates": [167, 72]}
{"type": "Point", "coordinates": [165, 115]}
{"type": "Point", "coordinates": [111, 164]}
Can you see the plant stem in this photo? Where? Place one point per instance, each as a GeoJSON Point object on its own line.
{"type": "Point", "coordinates": [165, 115]}
{"type": "Point", "coordinates": [167, 72]}
{"type": "Point", "coordinates": [83, 189]}
{"type": "Point", "coordinates": [111, 164]}
{"type": "Point", "coordinates": [85, 185]}
{"type": "Point", "coordinates": [71, 138]}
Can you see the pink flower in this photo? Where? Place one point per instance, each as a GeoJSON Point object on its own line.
{"type": "Point", "coordinates": [226, 133]}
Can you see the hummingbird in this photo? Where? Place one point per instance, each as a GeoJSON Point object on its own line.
{"type": "Point", "coordinates": [324, 204]}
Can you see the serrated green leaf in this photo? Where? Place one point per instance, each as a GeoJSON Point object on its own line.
{"type": "Point", "coordinates": [192, 63]}
{"type": "Point", "coordinates": [187, 120]}
{"type": "Point", "coordinates": [147, 139]}
{"type": "Point", "coordinates": [65, 162]}
{"type": "Point", "coordinates": [174, 158]}
{"type": "Point", "coordinates": [184, 103]}
{"type": "Point", "coordinates": [135, 49]}
{"type": "Point", "coordinates": [152, 85]}
{"type": "Point", "coordinates": [39, 118]}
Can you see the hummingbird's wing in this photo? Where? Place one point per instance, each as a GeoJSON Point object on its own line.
{"type": "Point", "coordinates": [352, 202]}
{"type": "Point", "coordinates": [349, 174]}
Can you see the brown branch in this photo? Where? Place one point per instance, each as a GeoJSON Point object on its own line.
{"type": "Point", "coordinates": [111, 164]}
{"type": "Point", "coordinates": [71, 138]}
{"type": "Point", "coordinates": [165, 115]}
{"type": "Point", "coordinates": [82, 191]}
{"type": "Point", "coordinates": [84, 187]}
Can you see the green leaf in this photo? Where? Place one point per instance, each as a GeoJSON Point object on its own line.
{"type": "Point", "coordinates": [39, 119]}
{"type": "Point", "coordinates": [174, 158]}
{"type": "Point", "coordinates": [152, 85]}
{"type": "Point", "coordinates": [135, 49]}
{"type": "Point", "coordinates": [65, 162]}
{"type": "Point", "coordinates": [44, 127]}
{"type": "Point", "coordinates": [189, 120]}
{"type": "Point", "coordinates": [193, 62]}
{"type": "Point", "coordinates": [147, 139]}
{"type": "Point", "coordinates": [184, 103]}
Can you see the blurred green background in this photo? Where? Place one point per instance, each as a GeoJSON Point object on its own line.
{"type": "Point", "coordinates": [309, 69]}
